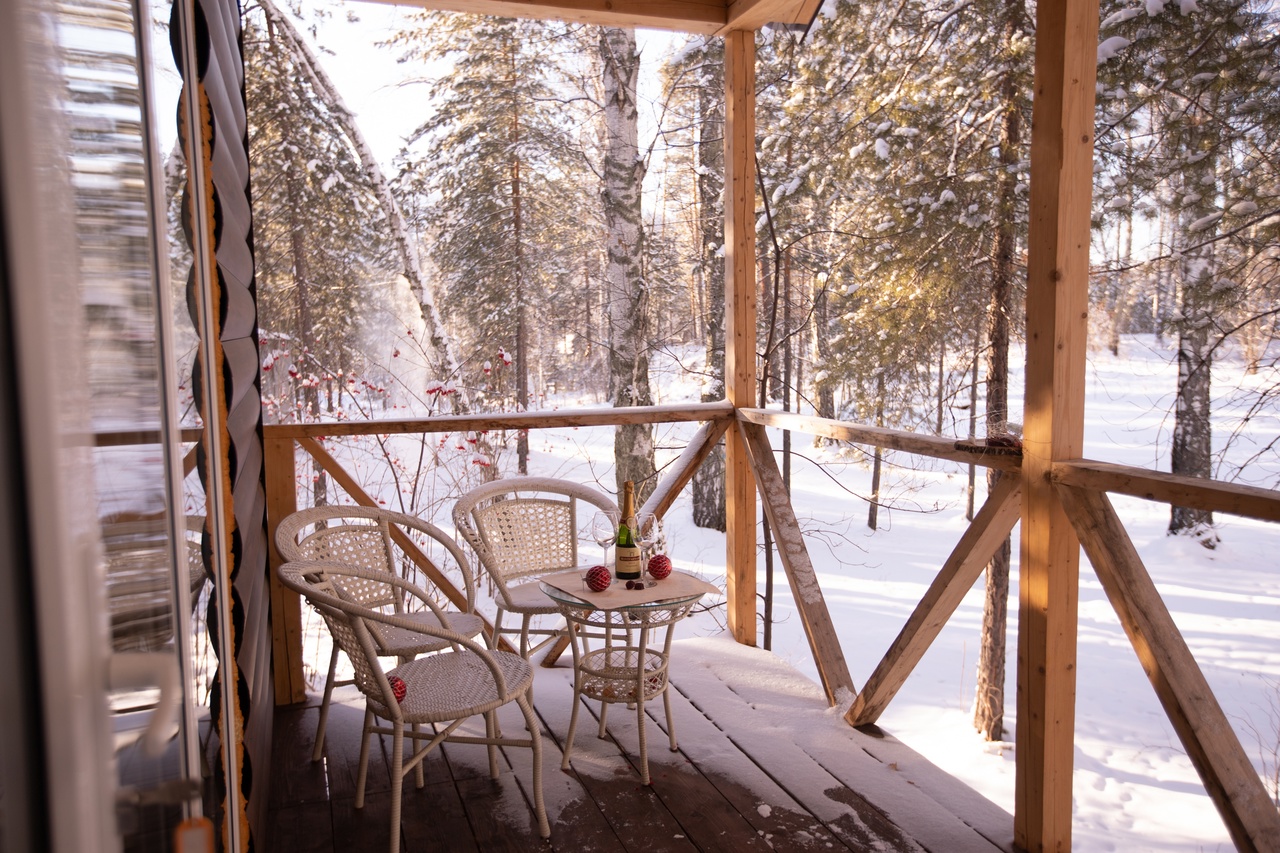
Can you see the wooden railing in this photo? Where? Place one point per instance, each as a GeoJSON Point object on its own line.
{"type": "Point", "coordinates": [280, 440]}
{"type": "Point", "coordinates": [122, 438]}
{"type": "Point", "coordinates": [1082, 486]}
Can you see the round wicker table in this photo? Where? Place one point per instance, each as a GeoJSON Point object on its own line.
{"type": "Point", "coordinates": [621, 655]}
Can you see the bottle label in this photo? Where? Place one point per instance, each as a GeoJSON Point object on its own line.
{"type": "Point", "coordinates": [627, 562]}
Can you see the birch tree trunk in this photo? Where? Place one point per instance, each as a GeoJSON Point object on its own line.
{"type": "Point", "coordinates": [1196, 274]}
{"type": "Point", "coordinates": [623, 171]}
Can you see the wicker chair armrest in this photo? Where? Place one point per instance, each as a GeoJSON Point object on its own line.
{"type": "Point", "coordinates": [293, 575]}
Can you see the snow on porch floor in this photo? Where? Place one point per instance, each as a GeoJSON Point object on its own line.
{"type": "Point", "coordinates": [763, 764]}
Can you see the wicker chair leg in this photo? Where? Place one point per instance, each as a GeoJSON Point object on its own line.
{"type": "Point", "coordinates": [363, 773]}
{"type": "Point", "coordinates": [535, 741]}
{"type": "Point", "coordinates": [604, 715]}
{"type": "Point", "coordinates": [397, 783]}
{"type": "Point", "coordinates": [496, 637]}
{"type": "Point", "coordinates": [419, 776]}
{"type": "Point", "coordinates": [644, 745]}
{"type": "Point", "coordinates": [573, 722]}
{"type": "Point", "coordinates": [524, 646]}
{"type": "Point", "coordinates": [494, 640]}
{"type": "Point", "coordinates": [671, 723]}
{"type": "Point", "coordinates": [524, 635]}
{"type": "Point", "coordinates": [491, 733]}
{"type": "Point", "coordinates": [324, 703]}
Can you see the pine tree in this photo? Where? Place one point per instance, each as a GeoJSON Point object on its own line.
{"type": "Point", "coordinates": [694, 82]}
{"type": "Point", "coordinates": [910, 125]}
{"type": "Point", "coordinates": [318, 231]}
{"type": "Point", "coordinates": [490, 178]}
{"type": "Point", "coordinates": [1188, 114]}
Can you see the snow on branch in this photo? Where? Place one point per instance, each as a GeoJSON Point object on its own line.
{"type": "Point", "coordinates": [328, 92]}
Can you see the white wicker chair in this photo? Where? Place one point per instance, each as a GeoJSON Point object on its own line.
{"type": "Point", "coordinates": [442, 690]}
{"type": "Point", "coordinates": [362, 537]}
{"type": "Point", "coordinates": [522, 528]}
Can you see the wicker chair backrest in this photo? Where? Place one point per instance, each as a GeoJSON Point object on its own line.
{"type": "Point", "coordinates": [526, 526]}
{"type": "Point", "coordinates": [355, 639]}
{"type": "Point", "coordinates": [362, 537]}
{"type": "Point", "coordinates": [367, 546]}
{"type": "Point", "coordinates": [529, 536]}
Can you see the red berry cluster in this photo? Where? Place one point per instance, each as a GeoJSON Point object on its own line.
{"type": "Point", "coordinates": [635, 584]}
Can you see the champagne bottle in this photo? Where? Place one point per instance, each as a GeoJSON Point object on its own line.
{"type": "Point", "coordinates": [626, 553]}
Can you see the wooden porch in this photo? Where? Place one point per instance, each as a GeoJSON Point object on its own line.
{"type": "Point", "coordinates": [734, 763]}
{"type": "Point", "coordinates": [740, 782]}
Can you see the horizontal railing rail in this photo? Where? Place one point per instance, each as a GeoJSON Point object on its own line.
{"type": "Point", "coordinates": [934, 446]}
{"type": "Point", "coordinates": [1174, 489]}
{"type": "Point", "coordinates": [542, 419]}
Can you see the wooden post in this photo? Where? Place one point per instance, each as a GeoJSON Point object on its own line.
{"type": "Point", "coordinates": [286, 605]}
{"type": "Point", "coordinates": [740, 325]}
{"type": "Point", "coordinates": [1057, 325]}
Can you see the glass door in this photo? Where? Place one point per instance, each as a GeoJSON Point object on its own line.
{"type": "Point", "coordinates": [102, 580]}
{"type": "Point", "coordinates": [154, 575]}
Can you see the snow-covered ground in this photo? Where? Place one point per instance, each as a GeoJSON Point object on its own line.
{"type": "Point", "coordinates": [1135, 790]}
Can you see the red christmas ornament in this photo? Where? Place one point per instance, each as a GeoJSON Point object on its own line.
{"type": "Point", "coordinates": [659, 566]}
{"type": "Point", "coordinates": [598, 578]}
{"type": "Point", "coordinates": [398, 687]}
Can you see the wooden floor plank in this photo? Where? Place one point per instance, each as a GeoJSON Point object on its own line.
{"type": "Point", "coordinates": [771, 811]}
{"type": "Point", "coordinates": [883, 801]}
{"type": "Point", "coordinates": [366, 829]}
{"type": "Point", "coordinates": [434, 820]}
{"type": "Point", "coordinates": [637, 816]}
{"type": "Point", "coordinates": [845, 812]}
{"type": "Point", "coordinates": [736, 784]}
{"type": "Point", "coordinates": [293, 828]}
{"type": "Point", "coordinates": [342, 749]}
{"type": "Point", "coordinates": [575, 818]}
{"type": "Point", "coordinates": [709, 819]}
{"type": "Point", "coordinates": [295, 778]}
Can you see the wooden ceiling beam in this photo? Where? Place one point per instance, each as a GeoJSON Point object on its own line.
{"type": "Point", "coordinates": [707, 17]}
{"type": "Point", "coordinates": [692, 16]}
{"type": "Point", "coordinates": [754, 14]}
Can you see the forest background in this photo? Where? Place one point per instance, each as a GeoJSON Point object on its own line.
{"type": "Point", "coordinates": [534, 225]}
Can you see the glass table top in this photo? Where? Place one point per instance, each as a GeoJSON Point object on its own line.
{"type": "Point", "coordinates": [567, 598]}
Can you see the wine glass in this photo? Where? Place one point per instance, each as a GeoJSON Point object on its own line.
{"type": "Point", "coordinates": [604, 529]}
{"type": "Point", "coordinates": [647, 531]}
